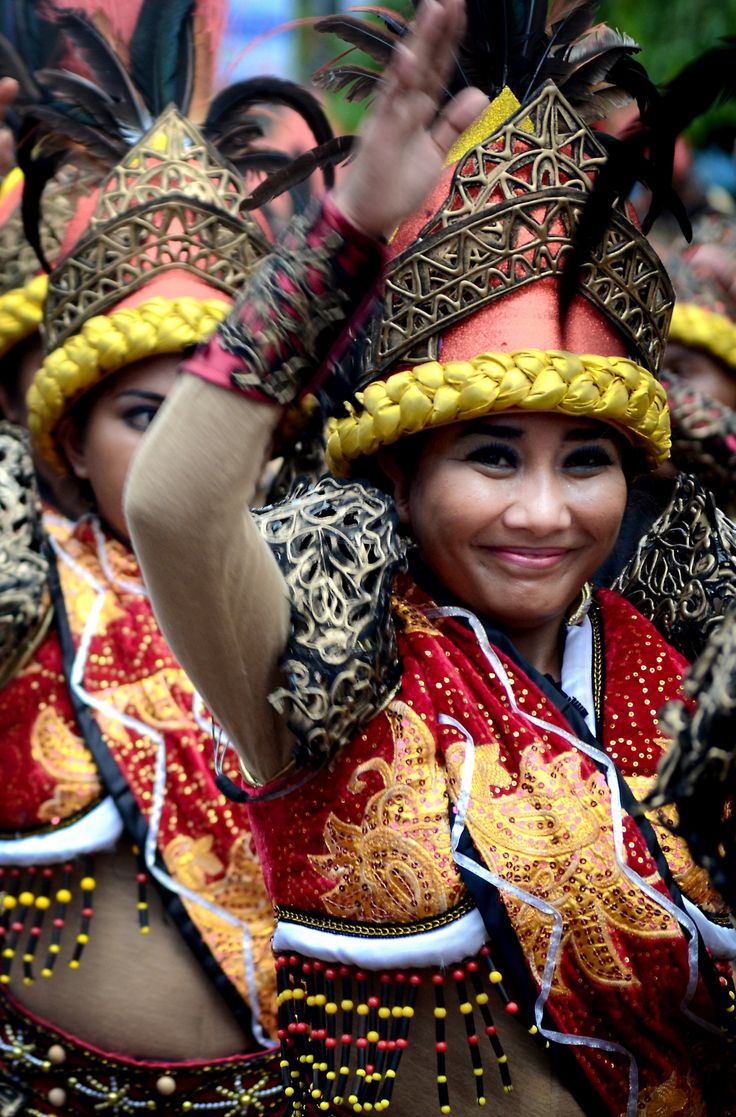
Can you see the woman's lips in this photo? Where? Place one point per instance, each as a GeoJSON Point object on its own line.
{"type": "Point", "coordinates": [530, 558]}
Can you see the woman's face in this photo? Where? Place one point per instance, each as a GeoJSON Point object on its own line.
{"type": "Point", "coordinates": [514, 512]}
{"type": "Point", "coordinates": [102, 452]}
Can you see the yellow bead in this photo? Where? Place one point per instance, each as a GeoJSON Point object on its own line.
{"type": "Point", "coordinates": [331, 1008]}
{"type": "Point", "coordinates": [43, 903]}
{"type": "Point", "coordinates": [482, 998]}
{"type": "Point", "coordinates": [74, 964]}
{"type": "Point", "coordinates": [362, 1010]}
{"type": "Point", "coordinates": [9, 902]}
{"type": "Point", "coordinates": [63, 896]}
{"type": "Point", "coordinates": [442, 1079]}
{"type": "Point", "coordinates": [88, 884]}
{"type": "Point", "coordinates": [346, 1006]}
{"type": "Point", "coordinates": [466, 1008]}
{"type": "Point", "coordinates": [26, 898]}
{"type": "Point", "coordinates": [440, 1013]}
{"type": "Point", "coordinates": [384, 1013]}
{"type": "Point", "coordinates": [82, 938]}
{"type": "Point", "coordinates": [495, 977]}
{"type": "Point", "coordinates": [373, 1037]}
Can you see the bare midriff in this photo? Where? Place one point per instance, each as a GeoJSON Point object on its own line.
{"type": "Point", "coordinates": [141, 996]}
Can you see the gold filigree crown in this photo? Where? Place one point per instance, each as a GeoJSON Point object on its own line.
{"type": "Point", "coordinates": [508, 221]}
{"type": "Point", "coordinates": [170, 205]}
{"type": "Point", "coordinates": [471, 321]}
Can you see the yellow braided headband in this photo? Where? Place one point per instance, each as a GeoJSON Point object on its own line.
{"type": "Point", "coordinates": [705, 329]}
{"type": "Point", "coordinates": [107, 343]}
{"type": "Point", "coordinates": [21, 312]}
{"type": "Point", "coordinates": [612, 389]}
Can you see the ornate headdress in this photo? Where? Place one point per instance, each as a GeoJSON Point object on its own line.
{"type": "Point", "coordinates": [473, 319]}
{"type": "Point", "coordinates": [152, 260]}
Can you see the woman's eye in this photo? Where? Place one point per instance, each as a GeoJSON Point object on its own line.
{"type": "Point", "coordinates": [140, 418]}
{"type": "Point", "coordinates": [589, 458]}
{"type": "Point", "coordinates": [494, 455]}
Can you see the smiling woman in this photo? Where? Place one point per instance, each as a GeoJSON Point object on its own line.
{"type": "Point", "coordinates": [443, 733]}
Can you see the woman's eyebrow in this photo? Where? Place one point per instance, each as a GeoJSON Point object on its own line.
{"type": "Point", "coordinates": [587, 434]}
{"type": "Point", "coordinates": [491, 430]}
{"type": "Point", "coordinates": [139, 393]}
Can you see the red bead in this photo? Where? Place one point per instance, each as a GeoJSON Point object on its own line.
{"type": "Point", "coordinates": [373, 1002]}
{"type": "Point", "coordinates": [318, 966]}
{"type": "Point", "coordinates": [142, 878]}
{"type": "Point", "coordinates": [87, 913]}
{"type": "Point", "coordinates": [458, 975]}
{"type": "Point", "coordinates": [319, 1033]}
{"type": "Point", "coordinates": [359, 976]}
{"type": "Point", "coordinates": [47, 873]}
{"type": "Point", "coordinates": [402, 1044]}
{"type": "Point", "coordinates": [361, 1041]}
{"type": "Point", "coordinates": [437, 979]}
{"type": "Point", "coordinates": [346, 1038]}
{"type": "Point", "coordinates": [58, 923]}
{"type": "Point", "coordinates": [385, 979]}
{"type": "Point", "coordinates": [473, 1040]}
{"type": "Point", "coordinates": [282, 1033]}
{"type": "Point", "coordinates": [400, 978]}
{"type": "Point", "coordinates": [302, 1027]}
{"type": "Point", "coordinates": [472, 967]}
{"type": "Point", "coordinates": [382, 1045]}
{"type": "Point", "coordinates": [490, 1030]}
{"type": "Point", "coordinates": [391, 1045]}
{"type": "Point", "coordinates": [344, 971]}
{"type": "Point", "coordinates": [35, 932]}
{"type": "Point", "coordinates": [441, 1046]}
{"type": "Point", "coordinates": [330, 975]}
{"type": "Point", "coordinates": [17, 927]}
{"type": "Point", "coordinates": [512, 1007]}
{"type": "Point", "coordinates": [330, 1042]}
{"type": "Point", "coordinates": [485, 951]}
{"type": "Point", "coordinates": [369, 1068]}
{"type": "Point", "coordinates": [306, 967]}
{"type": "Point", "coordinates": [415, 979]}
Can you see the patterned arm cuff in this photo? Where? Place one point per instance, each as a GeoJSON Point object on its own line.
{"type": "Point", "coordinates": [290, 326]}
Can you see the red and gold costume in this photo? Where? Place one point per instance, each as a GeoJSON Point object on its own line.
{"type": "Point", "coordinates": [452, 817]}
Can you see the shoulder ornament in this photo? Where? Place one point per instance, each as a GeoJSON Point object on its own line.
{"type": "Point", "coordinates": [25, 608]}
{"type": "Point", "coordinates": [682, 575]}
{"type": "Point", "coordinates": [338, 547]}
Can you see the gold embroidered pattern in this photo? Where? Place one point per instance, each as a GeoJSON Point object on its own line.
{"type": "Point", "coordinates": [65, 758]}
{"type": "Point", "coordinates": [553, 839]}
{"type": "Point", "coordinates": [396, 866]}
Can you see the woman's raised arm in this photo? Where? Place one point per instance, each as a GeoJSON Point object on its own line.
{"type": "Point", "coordinates": [217, 591]}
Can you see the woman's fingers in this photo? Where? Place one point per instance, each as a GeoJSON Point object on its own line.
{"type": "Point", "coordinates": [9, 89]}
{"type": "Point", "coordinates": [457, 116]}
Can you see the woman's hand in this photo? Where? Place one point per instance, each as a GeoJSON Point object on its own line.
{"type": "Point", "coordinates": [8, 94]}
{"type": "Point", "coordinates": [405, 142]}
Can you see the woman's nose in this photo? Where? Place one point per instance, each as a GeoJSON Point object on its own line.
{"type": "Point", "coordinates": [539, 505]}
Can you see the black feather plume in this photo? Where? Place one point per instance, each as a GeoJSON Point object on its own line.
{"type": "Point", "coordinates": [327, 154]}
